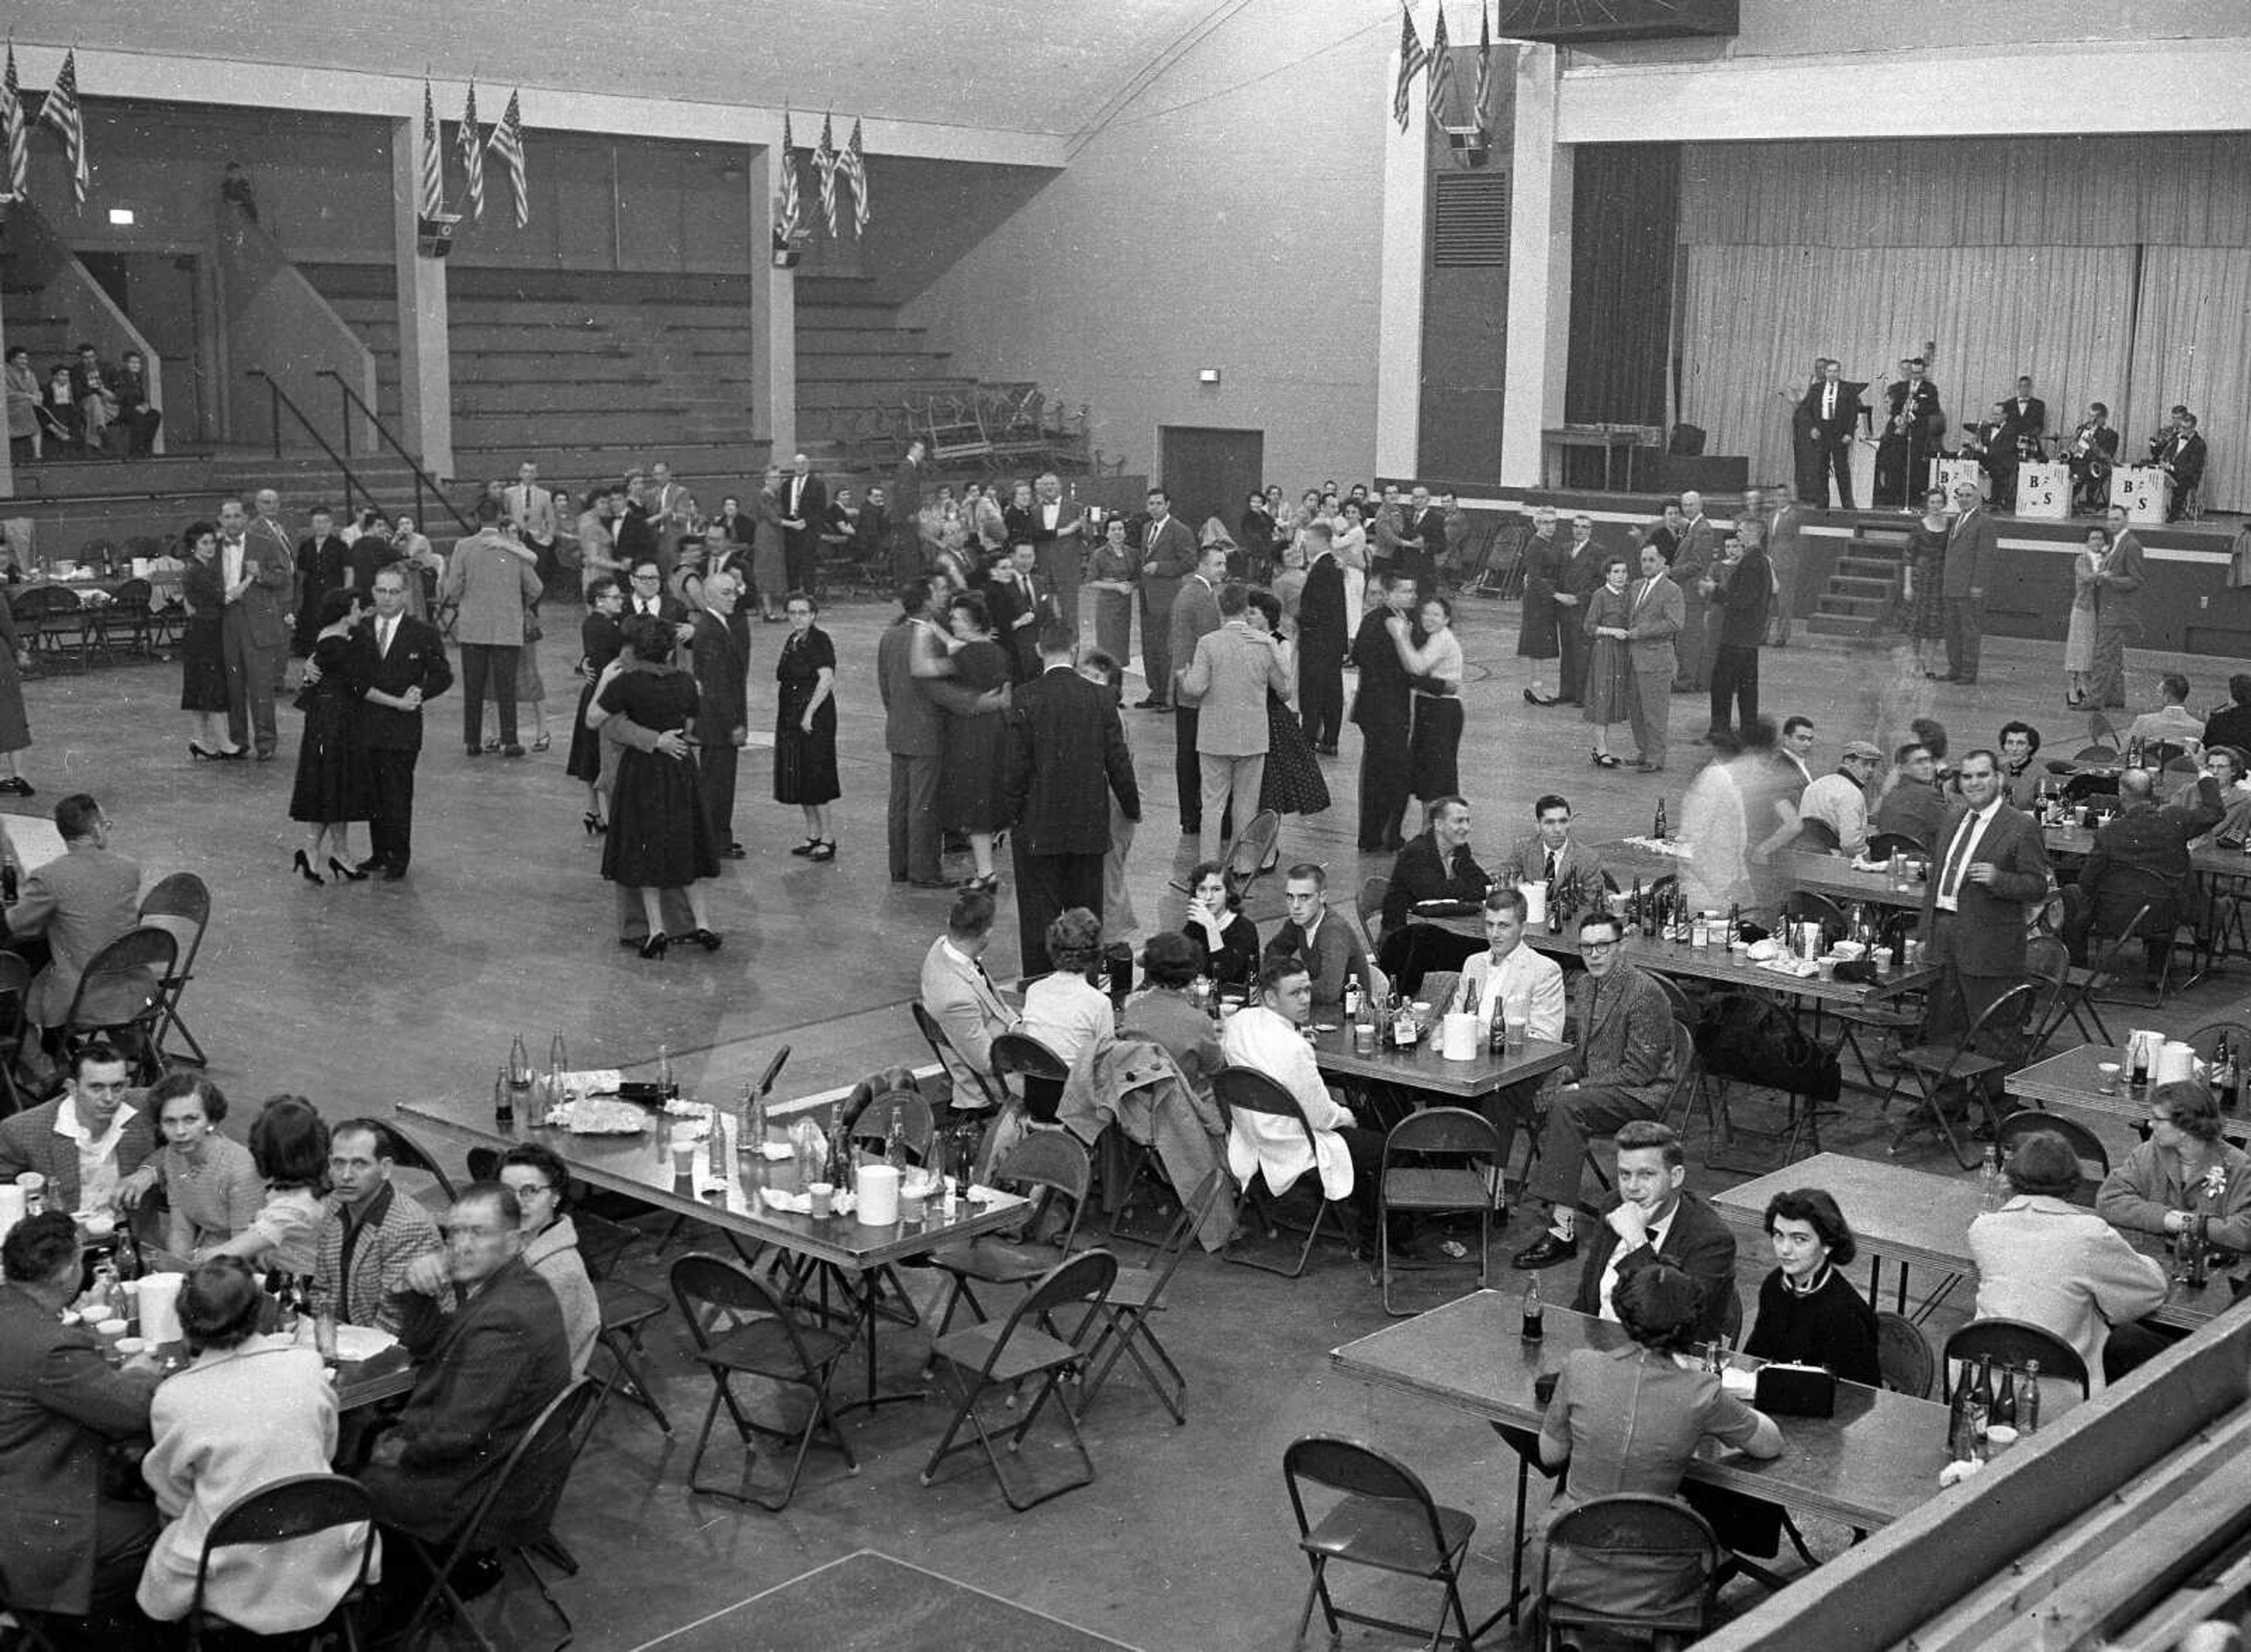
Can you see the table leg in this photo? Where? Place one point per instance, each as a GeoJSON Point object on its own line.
{"type": "Point", "coordinates": [862, 1291]}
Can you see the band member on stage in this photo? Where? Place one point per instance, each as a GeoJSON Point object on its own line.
{"type": "Point", "coordinates": [1804, 448]}
{"type": "Point", "coordinates": [2093, 452]}
{"type": "Point", "coordinates": [1831, 410]}
{"type": "Point", "coordinates": [1913, 423]}
{"type": "Point", "coordinates": [2179, 452]}
{"type": "Point", "coordinates": [2024, 422]}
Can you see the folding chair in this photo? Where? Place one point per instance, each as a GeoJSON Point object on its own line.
{"type": "Point", "coordinates": [1468, 1146]}
{"type": "Point", "coordinates": [1252, 854]}
{"type": "Point", "coordinates": [180, 903]}
{"type": "Point", "coordinates": [407, 1154]}
{"type": "Point", "coordinates": [1051, 1161]}
{"type": "Point", "coordinates": [1884, 845]}
{"type": "Point", "coordinates": [514, 1513]}
{"type": "Point", "coordinates": [298, 1507]}
{"type": "Point", "coordinates": [2012, 1342]}
{"type": "Point", "coordinates": [628, 1309]}
{"type": "Point", "coordinates": [1904, 1357]}
{"type": "Point", "coordinates": [2081, 986]}
{"type": "Point", "coordinates": [1936, 1067]}
{"type": "Point", "coordinates": [1044, 1072]}
{"type": "Point", "coordinates": [872, 1130]}
{"type": "Point", "coordinates": [120, 995]}
{"type": "Point", "coordinates": [2086, 1145]}
{"type": "Point", "coordinates": [989, 1096]}
{"type": "Point", "coordinates": [1248, 1090]}
{"type": "Point", "coordinates": [1525, 1442]}
{"type": "Point", "coordinates": [1028, 1344]}
{"type": "Point", "coordinates": [1368, 908]}
{"type": "Point", "coordinates": [741, 1328]}
{"type": "Point", "coordinates": [1384, 1517]}
{"type": "Point", "coordinates": [1629, 1532]}
{"type": "Point", "coordinates": [1125, 1323]}
{"type": "Point", "coordinates": [1739, 1032]}
{"type": "Point", "coordinates": [2048, 966]}
{"type": "Point", "coordinates": [2205, 1041]}
{"type": "Point", "coordinates": [15, 988]}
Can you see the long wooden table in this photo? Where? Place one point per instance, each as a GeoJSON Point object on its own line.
{"type": "Point", "coordinates": [1912, 1216]}
{"type": "Point", "coordinates": [1626, 859]}
{"type": "Point", "coordinates": [1722, 965]}
{"type": "Point", "coordinates": [1423, 1068]}
{"type": "Point", "coordinates": [2069, 1079]}
{"type": "Point", "coordinates": [1877, 1459]}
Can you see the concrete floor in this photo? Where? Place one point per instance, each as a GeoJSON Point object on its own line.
{"type": "Point", "coordinates": [365, 995]}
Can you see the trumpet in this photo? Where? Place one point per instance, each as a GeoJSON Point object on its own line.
{"type": "Point", "coordinates": [2082, 444]}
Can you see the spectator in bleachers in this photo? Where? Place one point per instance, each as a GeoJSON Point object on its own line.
{"type": "Point", "coordinates": [61, 419]}
{"type": "Point", "coordinates": [23, 407]}
{"type": "Point", "coordinates": [130, 385]}
{"type": "Point", "coordinates": [97, 401]}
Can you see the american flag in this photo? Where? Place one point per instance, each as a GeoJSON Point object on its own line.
{"type": "Point", "coordinates": [11, 130]}
{"type": "Point", "coordinates": [824, 166]}
{"type": "Point", "coordinates": [792, 208]}
{"type": "Point", "coordinates": [508, 143]}
{"type": "Point", "coordinates": [855, 168]}
{"type": "Point", "coordinates": [432, 202]}
{"type": "Point", "coordinates": [471, 141]}
{"type": "Point", "coordinates": [1442, 70]}
{"type": "Point", "coordinates": [1484, 66]}
{"type": "Point", "coordinates": [1411, 59]}
{"type": "Point", "coordinates": [61, 112]}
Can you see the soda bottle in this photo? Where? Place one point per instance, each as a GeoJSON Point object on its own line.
{"type": "Point", "coordinates": [895, 1143]}
{"type": "Point", "coordinates": [1656, 829]}
{"type": "Point", "coordinates": [1535, 1313]}
{"type": "Point", "coordinates": [503, 1100]}
{"type": "Point", "coordinates": [519, 1069]}
{"type": "Point", "coordinates": [559, 1063]}
{"type": "Point", "coordinates": [668, 1086]}
{"type": "Point", "coordinates": [2028, 1406]}
{"type": "Point", "coordinates": [2005, 1402]}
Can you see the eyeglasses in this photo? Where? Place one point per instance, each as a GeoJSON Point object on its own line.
{"type": "Point", "coordinates": [1592, 947]}
{"type": "Point", "coordinates": [645, 578]}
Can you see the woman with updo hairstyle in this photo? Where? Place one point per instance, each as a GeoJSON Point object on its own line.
{"type": "Point", "coordinates": [203, 648]}
{"type": "Point", "coordinates": [1063, 1009]}
{"type": "Point", "coordinates": [660, 838]}
{"type": "Point", "coordinates": [249, 1411]}
{"type": "Point", "coordinates": [213, 1190]}
{"type": "Point", "coordinates": [1809, 1313]}
{"type": "Point", "coordinates": [290, 1144]}
{"type": "Point", "coordinates": [1163, 1011]}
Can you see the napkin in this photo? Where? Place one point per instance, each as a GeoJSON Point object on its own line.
{"type": "Point", "coordinates": [1790, 966]}
{"type": "Point", "coordinates": [594, 1081]}
{"type": "Point", "coordinates": [776, 1151]}
{"type": "Point", "coordinates": [843, 1204]}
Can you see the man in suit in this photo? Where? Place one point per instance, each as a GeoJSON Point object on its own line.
{"type": "Point", "coordinates": [1169, 555]}
{"type": "Point", "coordinates": [483, 1372]}
{"type": "Point", "coordinates": [2140, 858]}
{"type": "Point", "coordinates": [2181, 453]}
{"type": "Point", "coordinates": [81, 901]}
{"type": "Point", "coordinates": [1195, 616]}
{"type": "Point", "coordinates": [1913, 423]}
{"type": "Point", "coordinates": [1322, 943]}
{"type": "Point", "coordinates": [1989, 866]}
{"type": "Point", "coordinates": [719, 656]}
{"type": "Point", "coordinates": [530, 510]}
{"type": "Point", "coordinates": [1065, 741]}
{"type": "Point", "coordinates": [2092, 455]}
{"type": "Point", "coordinates": [2023, 421]}
{"type": "Point", "coordinates": [2117, 599]}
{"type": "Point", "coordinates": [90, 1142]}
{"type": "Point", "coordinates": [1691, 562]}
{"type": "Point", "coordinates": [960, 997]}
{"type": "Point", "coordinates": [1836, 411]}
{"type": "Point", "coordinates": [634, 535]}
{"type": "Point", "coordinates": [1972, 553]}
{"type": "Point", "coordinates": [1233, 668]}
{"type": "Point", "coordinates": [1322, 641]}
{"type": "Point", "coordinates": [1058, 532]}
{"type": "Point", "coordinates": [2232, 726]}
{"type": "Point", "coordinates": [406, 670]}
{"type": "Point", "coordinates": [1383, 710]}
{"type": "Point", "coordinates": [490, 581]}
{"type": "Point", "coordinates": [645, 593]}
{"type": "Point", "coordinates": [1652, 656]}
{"type": "Point", "coordinates": [254, 632]}
{"type": "Point", "coordinates": [1436, 865]}
{"type": "Point", "coordinates": [322, 564]}
{"type": "Point", "coordinates": [1622, 1071]}
{"type": "Point", "coordinates": [915, 709]}
{"type": "Point", "coordinates": [804, 507]}
{"type": "Point", "coordinates": [1427, 523]}
{"type": "Point", "coordinates": [671, 507]}
{"type": "Point", "coordinates": [1741, 604]}
{"type": "Point", "coordinates": [366, 1243]}
{"type": "Point", "coordinates": [67, 1545]}
{"type": "Point", "coordinates": [1655, 1219]}
{"type": "Point", "coordinates": [1551, 856]}
{"type": "Point", "coordinates": [138, 419]}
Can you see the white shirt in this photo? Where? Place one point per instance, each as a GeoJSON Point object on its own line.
{"type": "Point", "coordinates": [1972, 828]}
{"type": "Point", "coordinates": [1050, 512]}
{"type": "Point", "coordinates": [1829, 399]}
{"type": "Point", "coordinates": [1066, 1014]}
{"type": "Point", "coordinates": [97, 1175]}
{"type": "Point", "coordinates": [231, 555]}
{"type": "Point", "coordinates": [1257, 1036]}
{"type": "Point", "coordinates": [1839, 803]}
{"type": "Point", "coordinates": [1610, 1272]}
{"type": "Point", "coordinates": [1527, 985]}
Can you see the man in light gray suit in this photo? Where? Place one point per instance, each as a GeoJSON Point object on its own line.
{"type": "Point", "coordinates": [1195, 616]}
{"type": "Point", "coordinates": [1656, 613]}
{"type": "Point", "coordinates": [916, 704]}
{"type": "Point", "coordinates": [1972, 549]}
{"type": "Point", "coordinates": [1228, 680]}
{"type": "Point", "coordinates": [961, 998]}
{"type": "Point", "coordinates": [81, 901]}
{"type": "Point", "coordinates": [258, 572]}
{"type": "Point", "coordinates": [489, 582]}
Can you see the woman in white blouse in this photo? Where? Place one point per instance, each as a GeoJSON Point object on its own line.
{"type": "Point", "coordinates": [1063, 1008]}
{"type": "Point", "coordinates": [1436, 665]}
{"type": "Point", "coordinates": [1349, 540]}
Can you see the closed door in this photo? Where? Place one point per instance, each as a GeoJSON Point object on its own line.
{"type": "Point", "coordinates": [1209, 472]}
{"type": "Point", "coordinates": [161, 294]}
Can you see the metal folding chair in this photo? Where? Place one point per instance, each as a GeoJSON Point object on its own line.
{"type": "Point", "coordinates": [410, 1155]}
{"type": "Point", "coordinates": [180, 903]}
{"type": "Point", "coordinates": [1644, 1533]}
{"type": "Point", "coordinates": [1384, 1517]}
{"type": "Point", "coordinates": [2014, 1341]}
{"type": "Point", "coordinates": [1050, 1162]}
{"type": "Point", "coordinates": [1123, 1322]}
{"type": "Point", "coordinates": [130, 970]}
{"type": "Point", "coordinates": [2081, 985]}
{"type": "Point", "coordinates": [1904, 1357]}
{"type": "Point", "coordinates": [1934, 1067]}
{"type": "Point", "coordinates": [1043, 1074]}
{"type": "Point", "coordinates": [1468, 1148]}
{"type": "Point", "coordinates": [297, 1507]}
{"type": "Point", "coordinates": [2094, 1157]}
{"type": "Point", "coordinates": [628, 1309]}
{"type": "Point", "coordinates": [989, 1096]}
{"type": "Point", "coordinates": [15, 988]}
{"type": "Point", "coordinates": [1248, 1090]}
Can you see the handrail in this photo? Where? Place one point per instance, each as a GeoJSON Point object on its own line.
{"type": "Point", "coordinates": [280, 399]}
{"type": "Point", "coordinates": [422, 478]}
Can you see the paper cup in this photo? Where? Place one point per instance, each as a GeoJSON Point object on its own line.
{"type": "Point", "coordinates": [1457, 1037]}
{"type": "Point", "coordinates": [877, 1187]}
{"type": "Point", "coordinates": [11, 1205]}
{"type": "Point", "coordinates": [821, 1197]}
{"type": "Point", "coordinates": [160, 1305]}
{"type": "Point", "coordinates": [128, 1346]}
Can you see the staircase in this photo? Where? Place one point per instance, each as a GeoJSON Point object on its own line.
{"type": "Point", "coordinates": [1864, 584]}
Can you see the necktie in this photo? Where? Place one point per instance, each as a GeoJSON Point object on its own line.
{"type": "Point", "coordinates": [1641, 594]}
{"type": "Point", "coordinates": [1950, 884]}
{"type": "Point", "coordinates": [1551, 865]}
{"type": "Point", "coordinates": [383, 639]}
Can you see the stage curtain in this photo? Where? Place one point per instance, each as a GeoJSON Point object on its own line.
{"type": "Point", "coordinates": [1625, 217]}
{"type": "Point", "coordinates": [1754, 318]}
{"type": "Point", "coordinates": [2192, 344]}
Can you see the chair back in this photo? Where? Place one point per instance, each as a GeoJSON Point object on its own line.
{"type": "Point", "coordinates": [2206, 1040]}
{"type": "Point", "coordinates": [1675, 996]}
{"type": "Point", "coordinates": [2086, 1145]}
{"type": "Point", "coordinates": [1173, 1245]}
{"type": "Point", "coordinates": [2104, 736]}
{"type": "Point", "coordinates": [1685, 1073]}
{"type": "Point", "coordinates": [143, 949]}
{"type": "Point", "coordinates": [2105, 963]}
{"type": "Point", "coordinates": [2163, 754]}
{"type": "Point", "coordinates": [1454, 1132]}
{"type": "Point", "coordinates": [1355, 1469]}
{"type": "Point", "coordinates": [2048, 966]}
{"type": "Point", "coordinates": [1438, 988]}
{"type": "Point", "coordinates": [1884, 845]}
{"type": "Point", "coordinates": [1659, 1538]}
{"type": "Point", "coordinates": [1044, 1072]}
{"type": "Point", "coordinates": [2001, 1031]}
{"type": "Point", "coordinates": [181, 904]}
{"type": "Point", "coordinates": [714, 1294]}
{"type": "Point", "coordinates": [407, 1154]}
{"type": "Point", "coordinates": [1368, 907]}
{"type": "Point", "coordinates": [483, 1163]}
{"type": "Point", "coordinates": [1815, 834]}
{"type": "Point", "coordinates": [296, 1507]}
{"type": "Point", "coordinates": [1049, 1159]}
{"type": "Point", "coordinates": [2012, 1342]}
{"type": "Point", "coordinates": [1904, 1356]}
{"type": "Point", "coordinates": [1247, 855]}
{"type": "Point", "coordinates": [602, 1242]}
{"type": "Point", "coordinates": [1247, 1090]}
{"type": "Point", "coordinates": [519, 1506]}
{"type": "Point", "coordinates": [1805, 906]}
{"type": "Point", "coordinates": [1083, 1280]}
{"type": "Point", "coordinates": [941, 1048]}
{"type": "Point", "coordinates": [916, 1125]}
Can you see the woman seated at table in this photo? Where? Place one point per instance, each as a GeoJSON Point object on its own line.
{"type": "Point", "coordinates": [213, 1190]}
{"type": "Point", "coordinates": [1161, 1010]}
{"type": "Point", "coordinates": [1809, 1313]}
{"type": "Point", "coordinates": [541, 1183]}
{"type": "Point", "coordinates": [249, 1411]}
{"type": "Point", "coordinates": [1228, 941]}
{"type": "Point", "coordinates": [290, 1144]}
{"type": "Point", "coordinates": [2183, 1171]}
{"type": "Point", "coordinates": [1063, 1008]}
{"type": "Point", "coordinates": [1628, 1419]}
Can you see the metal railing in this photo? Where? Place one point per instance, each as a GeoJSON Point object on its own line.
{"type": "Point", "coordinates": [282, 398]}
{"type": "Point", "coordinates": [423, 480]}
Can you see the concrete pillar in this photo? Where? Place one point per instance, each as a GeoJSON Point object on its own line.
{"type": "Point", "coordinates": [1402, 235]}
{"type": "Point", "coordinates": [1539, 271]}
{"type": "Point", "coordinates": [426, 361]}
{"type": "Point", "coordinates": [774, 316]}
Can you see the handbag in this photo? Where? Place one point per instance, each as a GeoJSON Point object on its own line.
{"type": "Point", "coordinates": [1795, 1391]}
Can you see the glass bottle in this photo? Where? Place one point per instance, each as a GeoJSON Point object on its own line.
{"type": "Point", "coordinates": [752, 1140]}
{"type": "Point", "coordinates": [2004, 1401]}
{"type": "Point", "coordinates": [2028, 1403]}
{"type": "Point", "coordinates": [668, 1086]}
{"type": "Point", "coordinates": [1990, 1187]}
{"type": "Point", "coordinates": [519, 1069]}
{"type": "Point", "coordinates": [503, 1100]}
{"type": "Point", "coordinates": [559, 1064]}
{"type": "Point", "coordinates": [1657, 828]}
{"type": "Point", "coordinates": [126, 1256]}
{"type": "Point", "coordinates": [1535, 1312]}
{"type": "Point", "coordinates": [895, 1141]}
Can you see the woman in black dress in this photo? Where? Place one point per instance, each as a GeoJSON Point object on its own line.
{"type": "Point", "coordinates": [333, 782]}
{"type": "Point", "coordinates": [1226, 941]}
{"type": "Point", "coordinates": [1809, 1313]}
{"type": "Point", "coordinates": [1536, 638]}
{"type": "Point", "coordinates": [203, 654]}
{"type": "Point", "coordinates": [659, 838]}
{"type": "Point", "coordinates": [804, 727]}
{"type": "Point", "coordinates": [969, 772]}
{"type": "Point", "coordinates": [599, 642]}
{"type": "Point", "coordinates": [1292, 782]}
{"type": "Point", "coordinates": [1923, 589]}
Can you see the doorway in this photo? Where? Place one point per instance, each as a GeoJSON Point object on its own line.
{"type": "Point", "coordinates": [1209, 472]}
{"type": "Point", "coordinates": [161, 294]}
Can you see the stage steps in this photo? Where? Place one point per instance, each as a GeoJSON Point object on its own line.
{"type": "Point", "coordinates": [1863, 586]}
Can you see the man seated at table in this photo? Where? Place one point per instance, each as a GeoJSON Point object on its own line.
{"type": "Point", "coordinates": [1269, 1038]}
{"type": "Point", "coordinates": [1914, 805]}
{"type": "Point", "coordinates": [482, 1373]}
{"type": "Point", "coordinates": [1832, 815]}
{"type": "Point", "coordinates": [1434, 866]}
{"type": "Point", "coordinates": [2228, 767]}
{"type": "Point", "coordinates": [1621, 1072]}
{"type": "Point", "coordinates": [87, 1140]}
{"type": "Point", "coordinates": [960, 997]}
{"type": "Point", "coordinates": [81, 901]}
{"type": "Point", "coordinates": [1551, 855]}
{"type": "Point", "coordinates": [374, 1233]}
{"type": "Point", "coordinates": [2043, 1259]}
{"type": "Point", "coordinates": [2231, 725]}
{"type": "Point", "coordinates": [2140, 857]}
{"type": "Point", "coordinates": [1506, 982]}
{"type": "Point", "coordinates": [1651, 1219]}
{"type": "Point", "coordinates": [2172, 723]}
{"type": "Point", "coordinates": [66, 1544]}
{"type": "Point", "coordinates": [1324, 944]}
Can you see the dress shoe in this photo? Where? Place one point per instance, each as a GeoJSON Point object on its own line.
{"type": "Point", "coordinates": [264, 757]}
{"type": "Point", "coordinates": [736, 851]}
{"type": "Point", "coordinates": [373, 862]}
{"type": "Point", "coordinates": [1550, 1249]}
{"type": "Point", "coordinates": [393, 874]}
{"type": "Point", "coordinates": [511, 751]}
{"type": "Point", "coordinates": [476, 751]}
{"type": "Point", "coordinates": [703, 938]}
{"type": "Point", "coordinates": [304, 866]}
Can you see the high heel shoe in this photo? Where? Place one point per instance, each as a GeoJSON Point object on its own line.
{"type": "Point", "coordinates": [1604, 759]}
{"type": "Point", "coordinates": [703, 938]}
{"type": "Point", "coordinates": [594, 824]}
{"type": "Point", "coordinates": [197, 754]}
{"type": "Point", "coordinates": [337, 868]}
{"type": "Point", "coordinates": [655, 946]}
{"type": "Point", "coordinates": [824, 849]}
{"type": "Point", "coordinates": [305, 865]}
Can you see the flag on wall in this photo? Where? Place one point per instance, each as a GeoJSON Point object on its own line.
{"type": "Point", "coordinates": [792, 208]}
{"type": "Point", "coordinates": [433, 201]}
{"type": "Point", "coordinates": [11, 130]}
{"type": "Point", "coordinates": [825, 163]}
{"type": "Point", "coordinates": [508, 143]}
{"type": "Point", "coordinates": [855, 165]}
{"type": "Point", "coordinates": [1484, 110]}
{"type": "Point", "coordinates": [1411, 59]}
{"type": "Point", "coordinates": [61, 112]}
{"type": "Point", "coordinates": [471, 141]}
{"type": "Point", "coordinates": [1441, 71]}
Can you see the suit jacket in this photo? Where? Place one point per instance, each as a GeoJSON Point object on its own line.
{"type": "Point", "coordinates": [2141, 854]}
{"type": "Point", "coordinates": [1918, 402]}
{"type": "Point", "coordinates": [811, 509]}
{"type": "Point", "coordinates": [1172, 545]}
{"type": "Point", "coordinates": [1430, 528]}
{"type": "Point", "coordinates": [904, 500]}
{"type": "Point", "coordinates": [1696, 1241]}
{"type": "Point", "coordinates": [1837, 430]}
{"type": "Point", "coordinates": [970, 1011]}
{"type": "Point", "coordinates": [1527, 861]}
{"type": "Point", "coordinates": [490, 586]}
{"type": "Point", "coordinates": [1419, 874]}
{"type": "Point", "coordinates": [1064, 740]}
{"type": "Point", "coordinates": [1972, 545]}
{"type": "Point", "coordinates": [637, 540]}
{"type": "Point", "coordinates": [1989, 930]}
{"type": "Point", "coordinates": [1195, 616]}
{"type": "Point", "coordinates": [28, 1141]}
{"type": "Point", "coordinates": [1657, 619]}
{"type": "Point", "coordinates": [2185, 458]}
{"type": "Point", "coordinates": [1700, 544]}
{"type": "Point", "coordinates": [1382, 703]}
{"type": "Point", "coordinates": [2118, 588]}
{"type": "Point", "coordinates": [61, 1407]}
{"type": "Point", "coordinates": [720, 657]}
{"type": "Point", "coordinates": [416, 660]}
{"type": "Point", "coordinates": [481, 1374]}
{"type": "Point", "coordinates": [1227, 681]}
{"type": "Point", "coordinates": [81, 901]}
{"type": "Point", "coordinates": [1334, 959]}
{"type": "Point", "coordinates": [261, 613]}
{"type": "Point", "coordinates": [1744, 600]}
{"type": "Point", "coordinates": [915, 708]}
{"type": "Point", "coordinates": [2020, 421]}
{"type": "Point", "coordinates": [1322, 638]}
{"type": "Point", "coordinates": [1626, 1036]}
{"type": "Point", "coordinates": [532, 510]}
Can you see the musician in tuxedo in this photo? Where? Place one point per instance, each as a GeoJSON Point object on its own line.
{"type": "Point", "coordinates": [804, 507]}
{"type": "Point", "coordinates": [1984, 441]}
{"type": "Point", "coordinates": [1914, 421]}
{"type": "Point", "coordinates": [406, 669]}
{"type": "Point", "coordinates": [1833, 410]}
{"type": "Point", "coordinates": [2183, 459]}
{"type": "Point", "coordinates": [531, 508]}
{"type": "Point", "coordinates": [2024, 422]}
{"type": "Point", "coordinates": [2093, 452]}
